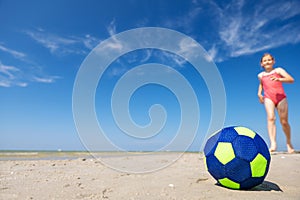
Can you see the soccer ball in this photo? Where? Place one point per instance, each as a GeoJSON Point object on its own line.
{"type": "Point", "coordinates": [237, 157]}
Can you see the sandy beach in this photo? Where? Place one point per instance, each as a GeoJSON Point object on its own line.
{"type": "Point", "coordinates": [81, 176]}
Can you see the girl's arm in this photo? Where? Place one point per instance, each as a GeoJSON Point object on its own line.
{"type": "Point", "coordinates": [259, 93]}
{"type": "Point", "coordinates": [286, 77]}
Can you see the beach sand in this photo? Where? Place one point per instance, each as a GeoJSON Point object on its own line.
{"type": "Point", "coordinates": [81, 176]}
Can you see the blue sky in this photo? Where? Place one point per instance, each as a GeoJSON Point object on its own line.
{"type": "Point", "coordinates": [44, 43]}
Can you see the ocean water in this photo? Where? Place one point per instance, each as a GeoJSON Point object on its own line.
{"type": "Point", "coordinates": [43, 155]}
{"type": "Point", "coordinates": [65, 155]}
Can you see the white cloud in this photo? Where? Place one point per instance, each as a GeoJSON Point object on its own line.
{"type": "Point", "coordinates": [16, 54]}
{"type": "Point", "coordinates": [49, 79]}
{"type": "Point", "coordinates": [4, 83]}
{"type": "Point", "coordinates": [8, 71]}
{"type": "Point", "coordinates": [241, 27]}
{"type": "Point", "coordinates": [13, 76]}
{"type": "Point", "coordinates": [89, 41]}
{"type": "Point", "coordinates": [22, 84]}
{"type": "Point", "coordinates": [30, 72]}
{"type": "Point", "coordinates": [63, 45]}
{"type": "Point", "coordinates": [212, 53]}
{"type": "Point", "coordinates": [50, 41]}
{"type": "Point", "coordinates": [21, 76]}
{"type": "Point", "coordinates": [112, 44]}
{"type": "Point", "coordinates": [262, 27]}
{"type": "Point", "coordinates": [9, 76]}
{"type": "Point", "coordinates": [115, 44]}
{"type": "Point", "coordinates": [188, 48]}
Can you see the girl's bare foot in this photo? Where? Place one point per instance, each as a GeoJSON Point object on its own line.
{"type": "Point", "coordinates": [290, 148]}
{"type": "Point", "coordinates": [273, 148]}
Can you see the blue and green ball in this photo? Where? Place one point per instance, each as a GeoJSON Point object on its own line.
{"type": "Point", "coordinates": [237, 157]}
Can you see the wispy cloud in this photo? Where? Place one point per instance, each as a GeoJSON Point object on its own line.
{"type": "Point", "coordinates": [115, 44]}
{"type": "Point", "coordinates": [57, 45]}
{"type": "Point", "coordinates": [88, 41]}
{"type": "Point", "coordinates": [237, 28]}
{"type": "Point", "coordinates": [246, 29]}
{"type": "Point", "coordinates": [8, 71]}
{"type": "Point", "coordinates": [186, 49]}
{"type": "Point", "coordinates": [30, 72]}
{"type": "Point", "coordinates": [48, 79]}
{"type": "Point", "coordinates": [15, 76]}
{"type": "Point", "coordinates": [63, 45]}
{"type": "Point", "coordinates": [12, 75]}
{"type": "Point", "coordinates": [9, 75]}
{"type": "Point", "coordinates": [14, 53]}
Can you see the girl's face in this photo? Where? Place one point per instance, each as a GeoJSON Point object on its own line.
{"type": "Point", "coordinates": [267, 62]}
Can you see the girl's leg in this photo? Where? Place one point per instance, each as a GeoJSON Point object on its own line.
{"type": "Point", "coordinates": [270, 110]}
{"type": "Point", "coordinates": [282, 108]}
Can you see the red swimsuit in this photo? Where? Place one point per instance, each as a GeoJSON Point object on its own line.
{"type": "Point", "coordinates": [273, 90]}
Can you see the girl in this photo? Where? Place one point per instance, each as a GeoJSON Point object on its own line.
{"type": "Point", "coordinates": [272, 95]}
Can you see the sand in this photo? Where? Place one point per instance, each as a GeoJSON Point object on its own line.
{"type": "Point", "coordinates": [81, 176]}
